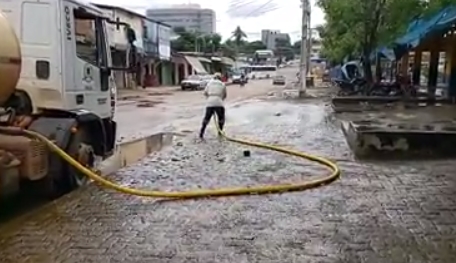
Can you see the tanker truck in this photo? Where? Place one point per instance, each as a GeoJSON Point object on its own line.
{"type": "Point", "coordinates": [55, 79]}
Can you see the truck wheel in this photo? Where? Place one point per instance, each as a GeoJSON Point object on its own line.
{"type": "Point", "coordinates": [82, 152]}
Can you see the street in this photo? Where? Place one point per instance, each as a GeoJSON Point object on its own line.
{"type": "Point", "coordinates": [376, 212]}
{"type": "Point", "coordinates": [177, 109]}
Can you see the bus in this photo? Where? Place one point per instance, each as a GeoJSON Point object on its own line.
{"type": "Point", "coordinates": [264, 57]}
{"type": "Point", "coordinates": [261, 71]}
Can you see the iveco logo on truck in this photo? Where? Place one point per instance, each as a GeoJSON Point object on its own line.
{"type": "Point", "coordinates": [68, 22]}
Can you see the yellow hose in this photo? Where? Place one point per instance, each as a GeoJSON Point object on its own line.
{"type": "Point", "coordinates": [265, 189]}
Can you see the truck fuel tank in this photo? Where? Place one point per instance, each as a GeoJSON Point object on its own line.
{"type": "Point", "coordinates": [10, 60]}
{"type": "Point", "coordinates": [32, 154]}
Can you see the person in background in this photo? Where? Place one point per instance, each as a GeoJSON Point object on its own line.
{"type": "Point", "coordinates": [215, 93]}
{"type": "Point", "coordinates": [243, 80]}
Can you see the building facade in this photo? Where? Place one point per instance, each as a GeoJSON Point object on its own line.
{"type": "Point", "coordinates": [151, 46]}
{"type": "Point", "coordinates": [269, 38]}
{"type": "Point", "coordinates": [158, 41]}
{"type": "Point", "coordinates": [191, 17]}
{"type": "Point", "coordinates": [120, 46]}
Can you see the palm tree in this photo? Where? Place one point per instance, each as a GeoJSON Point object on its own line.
{"type": "Point", "coordinates": [238, 36]}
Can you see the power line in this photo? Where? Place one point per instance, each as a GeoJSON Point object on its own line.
{"type": "Point", "coordinates": [240, 3]}
{"type": "Point", "coordinates": [237, 8]}
{"type": "Point", "coordinates": [261, 7]}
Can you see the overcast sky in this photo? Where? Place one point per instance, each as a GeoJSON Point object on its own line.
{"type": "Point", "coordinates": [283, 15]}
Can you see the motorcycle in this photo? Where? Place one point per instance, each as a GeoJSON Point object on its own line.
{"type": "Point", "coordinates": [385, 89]}
{"type": "Point", "coordinates": [401, 87]}
{"type": "Point", "coordinates": [242, 82]}
{"type": "Point", "coordinates": [356, 86]}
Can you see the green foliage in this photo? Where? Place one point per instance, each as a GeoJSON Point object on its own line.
{"type": "Point", "coordinates": [243, 46]}
{"type": "Point", "coordinates": [237, 44]}
{"type": "Point", "coordinates": [432, 6]}
{"type": "Point", "coordinates": [284, 49]}
{"type": "Point", "coordinates": [194, 41]}
{"type": "Point", "coordinates": [239, 36]}
{"type": "Point", "coordinates": [251, 47]}
{"type": "Point", "coordinates": [297, 45]}
{"type": "Point", "coordinates": [356, 27]}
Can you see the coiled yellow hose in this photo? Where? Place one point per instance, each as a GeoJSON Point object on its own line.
{"type": "Point", "coordinates": [265, 189]}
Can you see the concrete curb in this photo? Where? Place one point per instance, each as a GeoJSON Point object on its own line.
{"type": "Point", "coordinates": [130, 152]}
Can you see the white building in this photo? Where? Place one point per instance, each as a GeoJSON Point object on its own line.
{"type": "Point", "coordinates": [269, 38]}
{"type": "Point", "coordinates": [192, 17]}
{"type": "Point", "coordinates": [117, 33]}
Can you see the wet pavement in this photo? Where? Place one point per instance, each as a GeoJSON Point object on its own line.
{"type": "Point", "coordinates": [376, 212]}
{"type": "Point", "coordinates": [173, 111]}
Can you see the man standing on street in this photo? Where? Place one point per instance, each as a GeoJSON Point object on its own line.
{"type": "Point", "coordinates": [215, 93]}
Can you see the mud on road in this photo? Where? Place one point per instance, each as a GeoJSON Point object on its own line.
{"type": "Point", "coordinates": [377, 212]}
{"type": "Point", "coordinates": [172, 111]}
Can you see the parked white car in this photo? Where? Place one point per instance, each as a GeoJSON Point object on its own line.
{"type": "Point", "coordinates": [194, 82]}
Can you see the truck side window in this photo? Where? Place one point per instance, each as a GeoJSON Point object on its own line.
{"type": "Point", "coordinates": [86, 44]}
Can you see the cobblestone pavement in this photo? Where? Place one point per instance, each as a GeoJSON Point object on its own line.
{"type": "Point", "coordinates": [376, 212]}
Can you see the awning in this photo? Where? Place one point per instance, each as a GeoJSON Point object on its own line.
{"type": "Point", "coordinates": [196, 64]}
{"type": "Point", "coordinates": [422, 28]}
{"type": "Point", "coordinates": [227, 61]}
{"type": "Point", "coordinates": [204, 60]}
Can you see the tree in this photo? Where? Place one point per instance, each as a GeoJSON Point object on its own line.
{"type": "Point", "coordinates": [211, 43]}
{"type": "Point", "coordinates": [239, 36]}
{"type": "Point", "coordinates": [284, 49]}
{"type": "Point", "coordinates": [228, 51]}
{"type": "Point", "coordinates": [251, 47]}
{"type": "Point", "coordinates": [185, 42]}
{"type": "Point", "coordinates": [297, 47]}
{"type": "Point", "coordinates": [244, 46]}
{"type": "Point", "coordinates": [193, 41]}
{"type": "Point", "coordinates": [357, 27]}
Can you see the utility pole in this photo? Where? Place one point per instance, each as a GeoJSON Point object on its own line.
{"type": "Point", "coordinates": [309, 39]}
{"type": "Point", "coordinates": [304, 50]}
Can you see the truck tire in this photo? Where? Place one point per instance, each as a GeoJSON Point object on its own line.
{"type": "Point", "coordinates": [80, 149]}
{"type": "Point", "coordinates": [62, 177]}
{"type": "Point", "coordinates": [52, 187]}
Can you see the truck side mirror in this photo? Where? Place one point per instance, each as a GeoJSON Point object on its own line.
{"type": "Point", "coordinates": [106, 71]}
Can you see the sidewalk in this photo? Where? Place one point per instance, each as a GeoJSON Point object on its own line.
{"type": "Point", "coordinates": [375, 213]}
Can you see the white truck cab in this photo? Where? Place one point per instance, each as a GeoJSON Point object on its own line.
{"type": "Point", "coordinates": [65, 88]}
{"type": "Point", "coordinates": [65, 54]}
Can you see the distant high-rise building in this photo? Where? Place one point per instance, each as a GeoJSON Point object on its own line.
{"type": "Point", "coordinates": [269, 37]}
{"type": "Point", "coordinates": [191, 17]}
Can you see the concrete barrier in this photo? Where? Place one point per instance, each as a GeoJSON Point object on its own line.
{"type": "Point", "coordinates": [133, 151]}
{"type": "Point", "coordinates": [372, 103]}
{"type": "Point", "coordinates": [373, 141]}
